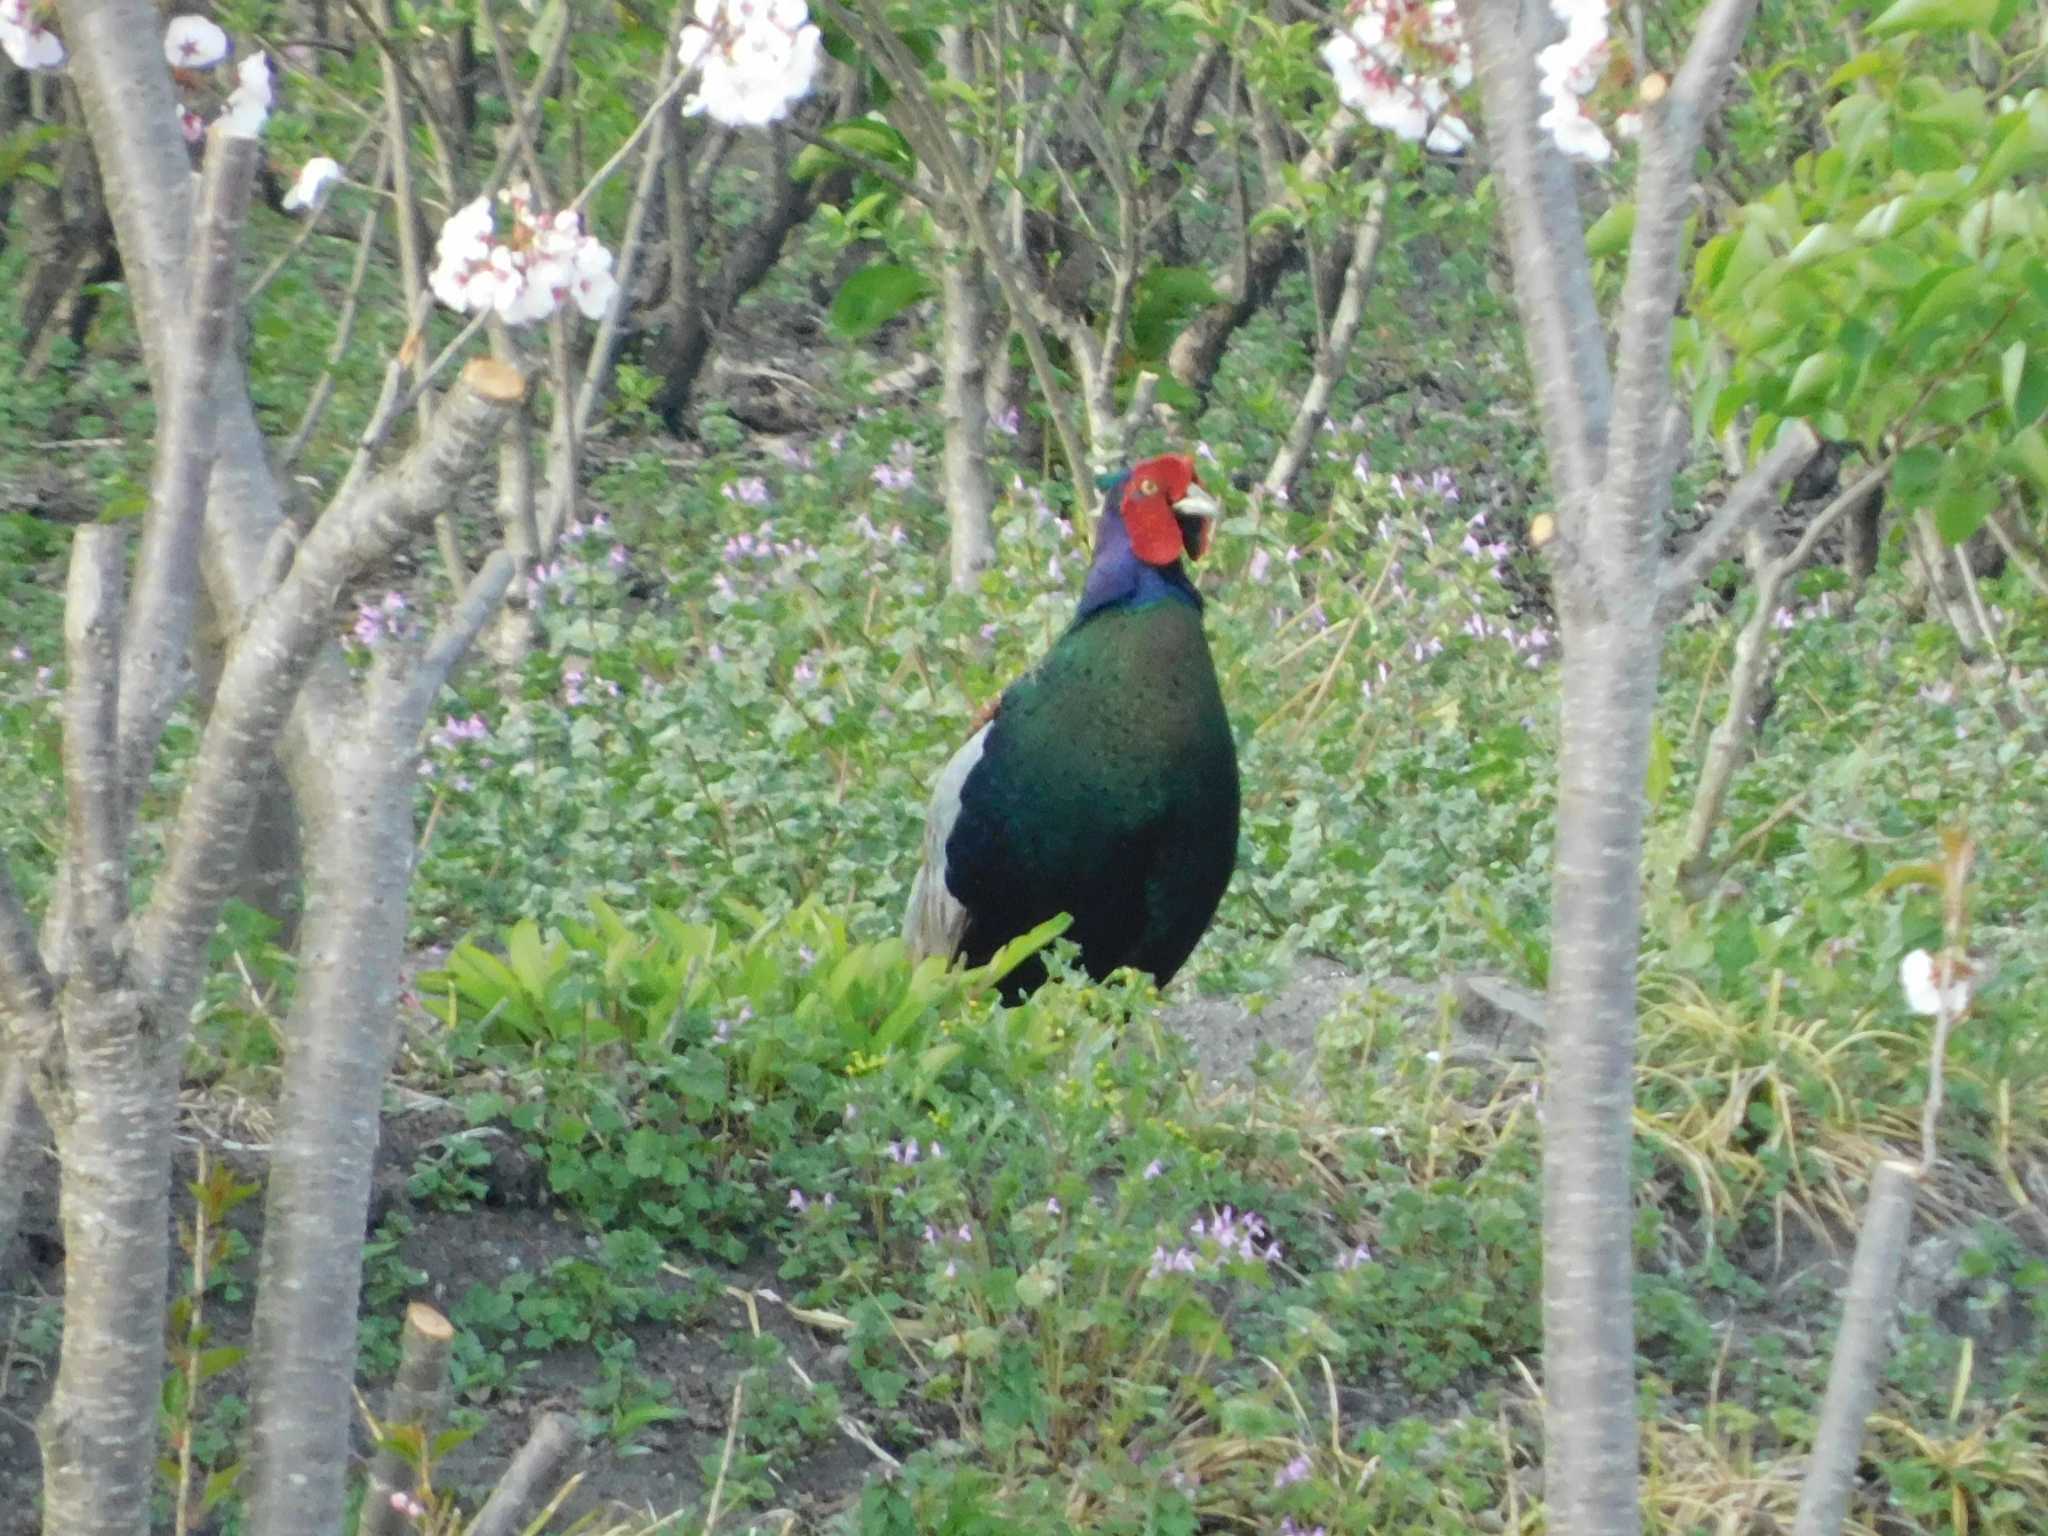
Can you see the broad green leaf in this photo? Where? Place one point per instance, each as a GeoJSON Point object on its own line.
{"type": "Point", "coordinates": [1165, 298]}
{"type": "Point", "coordinates": [1961, 506]}
{"type": "Point", "coordinates": [2024, 380]}
{"type": "Point", "coordinates": [1934, 16]}
{"type": "Point", "coordinates": [1813, 378]}
{"type": "Point", "coordinates": [1612, 231]}
{"type": "Point", "coordinates": [1861, 67]}
{"type": "Point", "coordinates": [875, 295]}
{"type": "Point", "coordinates": [2027, 454]}
{"type": "Point", "coordinates": [1914, 474]}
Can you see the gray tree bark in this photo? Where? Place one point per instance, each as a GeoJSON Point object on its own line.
{"type": "Point", "coordinates": [969, 492]}
{"type": "Point", "coordinates": [1612, 439]}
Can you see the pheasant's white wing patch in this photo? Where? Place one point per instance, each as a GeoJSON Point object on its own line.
{"type": "Point", "coordinates": [934, 921]}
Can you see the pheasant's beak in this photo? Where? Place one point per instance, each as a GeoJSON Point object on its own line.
{"type": "Point", "coordinates": [1197, 511]}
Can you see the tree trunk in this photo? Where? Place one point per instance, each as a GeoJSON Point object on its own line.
{"type": "Point", "coordinates": [1610, 691]}
{"type": "Point", "coordinates": [969, 494]}
{"type": "Point", "coordinates": [340, 1036]}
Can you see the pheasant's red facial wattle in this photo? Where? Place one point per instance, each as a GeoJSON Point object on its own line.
{"type": "Point", "coordinates": [1160, 533]}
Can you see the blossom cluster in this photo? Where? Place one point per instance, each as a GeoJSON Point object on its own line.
{"type": "Point", "coordinates": [763, 546]}
{"type": "Point", "coordinates": [380, 620]}
{"type": "Point", "coordinates": [755, 59]}
{"type": "Point", "coordinates": [523, 274]}
{"type": "Point", "coordinates": [898, 474]}
{"type": "Point", "coordinates": [578, 531]}
{"type": "Point", "coordinates": [1221, 1238]}
{"type": "Point", "coordinates": [1398, 63]}
{"type": "Point", "coordinates": [963, 1236]}
{"type": "Point", "coordinates": [1568, 70]}
{"type": "Point", "coordinates": [453, 732]}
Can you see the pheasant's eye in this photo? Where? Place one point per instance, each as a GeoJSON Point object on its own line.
{"type": "Point", "coordinates": [1148, 487]}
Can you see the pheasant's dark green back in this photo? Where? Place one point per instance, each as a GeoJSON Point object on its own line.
{"type": "Point", "coordinates": [1107, 788]}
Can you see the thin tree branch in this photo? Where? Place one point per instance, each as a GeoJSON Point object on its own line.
{"type": "Point", "coordinates": [344, 326]}
{"type": "Point", "coordinates": [934, 141]}
{"type": "Point", "coordinates": [1860, 1351]}
{"type": "Point", "coordinates": [1634, 483]}
{"type": "Point", "coordinates": [1335, 355]}
{"type": "Point", "coordinates": [167, 573]}
{"type": "Point", "coordinates": [604, 345]}
{"type": "Point", "coordinates": [27, 991]}
{"type": "Point", "coordinates": [1546, 237]}
{"type": "Point", "coordinates": [262, 675]}
{"type": "Point", "coordinates": [458, 631]}
{"type": "Point", "coordinates": [1749, 498]}
{"type": "Point", "coordinates": [95, 853]}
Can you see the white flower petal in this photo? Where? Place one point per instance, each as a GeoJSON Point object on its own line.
{"type": "Point", "coordinates": [193, 42]}
{"type": "Point", "coordinates": [314, 178]}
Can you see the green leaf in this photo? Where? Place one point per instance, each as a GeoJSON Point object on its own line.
{"type": "Point", "coordinates": [1811, 381]}
{"type": "Point", "coordinates": [1165, 298]}
{"type": "Point", "coordinates": [1961, 507]}
{"type": "Point", "coordinates": [874, 296]}
{"type": "Point", "coordinates": [2027, 454]}
{"type": "Point", "coordinates": [1914, 475]}
{"type": "Point", "coordinates": [1659, 778]}
{"type": "Point", "coordinates": [1862, 66]}
{"type": "Point", "coordinates": [1934, 16]}
{"type": "Point", "coordinates": [1612, 231]}
{"type": "Point", "coordinates": [2024, 380]}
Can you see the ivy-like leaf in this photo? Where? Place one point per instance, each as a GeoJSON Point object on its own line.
{"type": "Point", "coordinates": [874, 296]}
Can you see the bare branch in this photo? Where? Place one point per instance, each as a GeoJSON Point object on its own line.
{"type": "Point", "coordinates": [417, 1402]}
{"type": "Point", "coordinates": [344, 324]}
{"type": "Point", "coordinates": [95, 852]}
{"type": "Point", "coordinates": [1860, 1351]}
{"type": "Point", "coordinates": [524, 1488]}
{"type": "Point", "coordinates": [26, 990]}
{"type": "Point", "coordinates": [605, 345]}
{"type": "Point", "coordinates": [1335, 355]}
{"type": "Point", "coordinates": [1546, 237]}
{"type": "Point", "coordinates": [921, 123]}
{"type": "Point", "coordinates": [2013, 542]}
{"type": "Point", "coordinates": [457, 632]}
{"type": "Point", "coordinates": [271, 655]}
{"type": "Point", "coordinates": [167, 572]}
{"type": "Point", "coordinates": [1635, 485]}
{"type": "Point", "coordinates": [1748, 499]}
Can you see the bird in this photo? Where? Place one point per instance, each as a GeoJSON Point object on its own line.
{"type": "Point", "coordinates": [1103, 783]}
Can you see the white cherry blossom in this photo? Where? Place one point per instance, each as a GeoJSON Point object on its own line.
{"type": "Point", "coordinates": [1399, 63]}
{"type": "Point", "coordinates": [193, 42]}
{"type": "Point", "coordinates": [755, 59]}
{"type": "Point", "coordinates": [1569, 70]}
{"type": "Point", "coordinates": [314, 177]}
{"type": "Point", "coordinates": [1923, 995]}
{"type": "Point", "coordinates": [25, 39]}
{"type": "Point", "coordinates": [1396, 65]}
{"type": "Point", "coordinates": [521, 276]}
{"type": "Point", "coordinates": [249, 103]}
